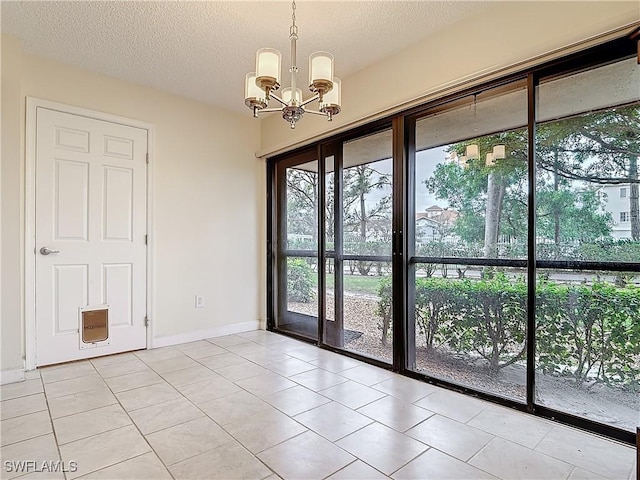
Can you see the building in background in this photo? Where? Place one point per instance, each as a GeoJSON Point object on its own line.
{"type": "Point", "coordinates": [616, 202]}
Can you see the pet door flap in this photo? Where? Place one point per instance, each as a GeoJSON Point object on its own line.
{"type": "Point", "coordinates": [94, 324]}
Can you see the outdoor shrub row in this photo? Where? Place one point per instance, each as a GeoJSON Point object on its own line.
{"type": "Point", "coordinates": [300, 287]}
{"type": "Point", "coordinates": [590, 332]}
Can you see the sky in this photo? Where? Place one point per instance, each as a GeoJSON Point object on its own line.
{"type": "Point", "coordinates": [426, 162]}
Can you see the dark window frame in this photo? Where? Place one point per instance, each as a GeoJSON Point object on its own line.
{"type": "Point", "coordinates": [403, 257]}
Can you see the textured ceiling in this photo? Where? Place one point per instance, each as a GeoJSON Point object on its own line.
{"type": "Point", "coordinates": [203, 50]}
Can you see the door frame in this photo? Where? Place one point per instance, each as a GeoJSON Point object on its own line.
{"type": "Point", "coordinates": [32, 105]}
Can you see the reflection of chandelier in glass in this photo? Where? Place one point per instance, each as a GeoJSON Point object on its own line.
{"type": "Point", "coordinates": [472, 152]}
{"type": "Point", "coordinates": [260, 85]}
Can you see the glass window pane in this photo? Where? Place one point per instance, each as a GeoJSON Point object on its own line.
{"type": "Point", "coordinates": [329, 297]}
{"type": "Point", "coordinates": [588, 146]}
{"type": "Point", "coordinates": [302, 206]}
{"type": "Point", "coordinates": [301, 314]}
{"type": "Point", "coordinates": [470, 325]}
{"type": "Point", "coordinates": [588, 345]}
{"type": "Point", "coordinates": [471, 201]}
{"type": "Point", "coordinates": [367, 195]}
{"type": "Point", "coordinates": [332, 324]}
{"type": "Point", "coordinates": [329, 188]}
{"type": "Point", "coordinates": [367, 311]}
{"type": "Point", "coordinates": [471, 177]}
{"type": "Point", "coordinates": [363, 281]}
{"type": "Point", "coordinates": [297, 286]}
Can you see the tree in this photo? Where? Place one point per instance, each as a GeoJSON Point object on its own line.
{"type": "Point", "coordinates": [567, 215]}
{"type": "Point", "coordinates": [600, 148]}
{"type": "Point", "coordinates": [492, 200]}
{"type": "Point", "coordinates": [302, 203]}
{"type": "Point", "coordinates": [358, 182]}
{"type": "Point", "coordinates": [365, 219]}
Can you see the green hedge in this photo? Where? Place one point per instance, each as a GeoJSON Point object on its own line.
{"type": "Point", "coordinates": [300, 286]}
{"type": "Point", "coordinates": [590, 331]}
{"type": "Point", "coordinates": [587, 331]}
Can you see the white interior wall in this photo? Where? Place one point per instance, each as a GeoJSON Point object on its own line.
{"type": "Point", "coordinates": [488, 44]}
{"type": "Point", "coordinates": [209, 201]}
{"type": "Point", "coordinates": [11, 325]}
{"type": "Point", "coordinates": [208, 190]}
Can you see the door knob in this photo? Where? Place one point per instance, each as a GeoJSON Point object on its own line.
{"type": "Point", "coordinates": [48, 251]}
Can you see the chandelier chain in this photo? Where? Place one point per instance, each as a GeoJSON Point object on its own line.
{"type": "Point", "coordinates": [261, 84]}
{"type": "Point", "coordinates": [293, 12]}
{"type": "Point", "coordinates": [293, 31]}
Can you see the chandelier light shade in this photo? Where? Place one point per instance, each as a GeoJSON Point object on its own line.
{"type": "Point", "coordinates": [320, 73]}
{"type": "Point", "coordinates": [253, 95]}
{"type": "Point", "coordinates": [330, 104]}
{"type": "Point", "coordinates": [499, 152]}
{"type": "Point", "coordinates": [472, 152]}
{"type": "Point", "coordinates": [286, 95]}
{"type": "Point", "coordinates": [320, 67]}
{"type": "Point", "coordinates": [268, 62]}
{"type": "Point", "coordinates": [261, 85]}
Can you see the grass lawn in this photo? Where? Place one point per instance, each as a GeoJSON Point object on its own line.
{"type": "Point", "coordinates": [367, 285]}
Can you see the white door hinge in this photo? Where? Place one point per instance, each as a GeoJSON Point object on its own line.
{"type": "Point", "coordinates": [146, 321]}
{"type": "Point", "coordinates": [147, 157]}
{"type": "Point", "coordinates": [146, 239]}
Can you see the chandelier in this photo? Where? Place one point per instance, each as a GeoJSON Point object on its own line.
{"type": "Point", "coordinates": [261, 84]}
{"type": "Point", "coordinates": [472, 152]}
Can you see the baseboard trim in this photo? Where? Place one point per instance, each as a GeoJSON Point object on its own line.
{"type": "Point", "coordinates": [11, 376]}
{"type": "Point", "coordinates": [167, 340]}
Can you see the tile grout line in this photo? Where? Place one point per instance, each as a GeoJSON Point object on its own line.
{"type": "Point", "coordinates": [496, 437]}
{"type": "Point", "coordinates": [136, 427]}
{"type": "Point", "coordinates": [255, 455]}
{"type": "Point", "coordinates": [82, 411]}
{"type": "Point", "coordinates": [261, 398]}
{"type": "Point", "coordinates": [472, 418]}
{"type": "Point", "coordinates": [221, 426]}
{"type": "Point", "coordinates": [114, 464]}
{"type": "Point", "coordinates": [351, 463]}
{"type": "Point", "coordinates": [92, 374]}
{"type": "Point", "coordinates": [171, 426]}
{"type": "Point", "coordinates": [303, 411]}
{"type": "Point", "coordinates": [27, 413]}
{"type": "Point", "coordinates": [466, 462]}
{"type": "Point", "coordinates": [26, 394]}
{"type": "Point", "coordinates": [53, 430]}
{"type": "Point", "coordinates": [132, 424]}
{"type": "Point", "coordinates": [131, 419]}
{"type": "Point", "coordinates": [429, 447]}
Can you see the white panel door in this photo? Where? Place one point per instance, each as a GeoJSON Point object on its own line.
{"type": "Point", "coordinates": [91, 212]}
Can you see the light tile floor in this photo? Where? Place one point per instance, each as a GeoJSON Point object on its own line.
{"type": "Point", "coordinates": [259, 405]}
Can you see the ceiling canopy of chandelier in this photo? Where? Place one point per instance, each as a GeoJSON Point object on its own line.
{"type": "Point", "coordinates": [260, 85]}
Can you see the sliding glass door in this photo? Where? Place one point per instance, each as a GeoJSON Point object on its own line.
{"type": "Point", "coordinates": [297, 192]}
{"type": "Point", "coordinates": [588, 244]}
{"type": "Point", "coordinates": [469, 271]}
{"type": "Point", "coordinates": [333, 245]}
{"type": "Point", "coordinates": [362, 253]}
{"type": "Point", "coordinates": [488, 241]}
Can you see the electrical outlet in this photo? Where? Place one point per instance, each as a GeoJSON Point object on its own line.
{"type": "Point", "coordinates": [199, 301]}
